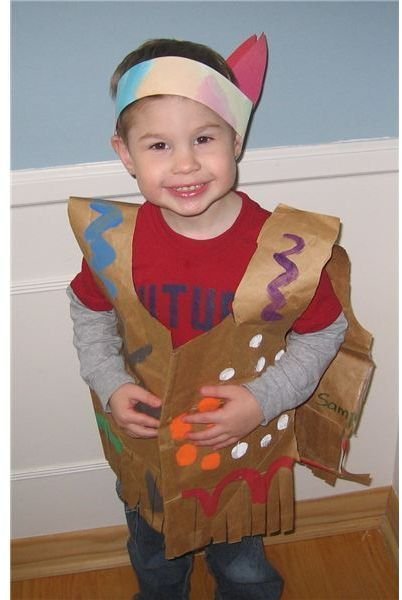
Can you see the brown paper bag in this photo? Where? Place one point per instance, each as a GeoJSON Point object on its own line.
{"type": "Point", "coordinates": [326, 422]}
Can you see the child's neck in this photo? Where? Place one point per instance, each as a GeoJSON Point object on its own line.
{"type": "Point", "coordinates": [217, 219]}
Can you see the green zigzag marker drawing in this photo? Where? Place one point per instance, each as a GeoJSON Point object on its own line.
{"type": "Point", "coordinates": [104, 426]}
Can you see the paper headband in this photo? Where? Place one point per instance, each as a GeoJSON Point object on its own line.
{"type": "Point", "coordinates": [178, 76]}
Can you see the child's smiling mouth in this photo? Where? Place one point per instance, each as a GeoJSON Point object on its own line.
{"type": "Point", "coordinates": [188, 191]}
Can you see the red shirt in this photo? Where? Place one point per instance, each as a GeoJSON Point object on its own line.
{"type": "Point", "coordinates": [189, 285]}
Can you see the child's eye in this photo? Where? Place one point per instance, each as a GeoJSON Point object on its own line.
{"type": "Point", "coordinates": [203, 139]}
{"type": "Point", "coordinates": [159, 146]}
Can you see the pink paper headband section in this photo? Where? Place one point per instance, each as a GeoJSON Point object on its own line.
{"type": "Point", "coordinates": [178, 76]}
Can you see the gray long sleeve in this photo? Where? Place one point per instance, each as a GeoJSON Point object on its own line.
{"type": "Point", "coordinates": [98, 346]}
{"type": "Point", "coordinates": [294, 377]}
{"type": "Point", "coordinates": [281, 387]}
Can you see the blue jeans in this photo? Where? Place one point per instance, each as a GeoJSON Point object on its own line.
{"type": "Point", "coordinates": [241, 569]}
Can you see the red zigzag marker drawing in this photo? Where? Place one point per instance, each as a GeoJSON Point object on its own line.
{"type": "Point", "coordinates": [258, 483]}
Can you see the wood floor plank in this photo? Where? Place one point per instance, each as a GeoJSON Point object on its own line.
{"type": "Point", "coordinates": [107, 584]}
{"type": "Point", "coordinates": [355, 566]}
{"type": "Point", "coordinates": [352, 566]}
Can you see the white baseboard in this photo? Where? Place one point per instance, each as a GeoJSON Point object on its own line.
{"type": "Point", "coordinates": [57, 471]}
{"type": "Point", "coordinates": [89, 550]}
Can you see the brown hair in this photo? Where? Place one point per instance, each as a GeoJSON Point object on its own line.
{"type": "Point", "coordinates": [167, 47]}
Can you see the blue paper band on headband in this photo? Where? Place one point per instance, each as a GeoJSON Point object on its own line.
{"type": "Point", "coordinates": [127, 90]}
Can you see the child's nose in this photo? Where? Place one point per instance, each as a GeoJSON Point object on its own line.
{"type": "Point", "coordinates": [185, 161]}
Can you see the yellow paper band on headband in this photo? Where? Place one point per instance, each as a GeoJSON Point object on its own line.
{"type": "Point", "coordinates": [178, 76]}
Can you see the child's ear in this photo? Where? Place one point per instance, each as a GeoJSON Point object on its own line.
{"type": "Point", "coordinates": [238, 143]}
{"type": "Point", "coordinates": [122, 151]}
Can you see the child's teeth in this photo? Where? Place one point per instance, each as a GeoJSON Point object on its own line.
{"type": "Point", "coordinates": [188, 188]}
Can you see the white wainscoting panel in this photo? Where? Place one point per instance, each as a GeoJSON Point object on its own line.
{"type": "Point", "coordinates": [60, 481]}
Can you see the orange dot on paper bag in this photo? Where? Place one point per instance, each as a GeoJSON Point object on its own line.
{"type": "Point", "coordinates": [206, 404]}
{"type": "Point", "coordinates": [179, 429]}
{"type": "Point", "coordinates": [211, 461]}
{"type": "Point", "coordinates": [186, 455]}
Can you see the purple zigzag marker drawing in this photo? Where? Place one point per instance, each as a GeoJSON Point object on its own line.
{"type": "Point", "coordinates": [269, 313]}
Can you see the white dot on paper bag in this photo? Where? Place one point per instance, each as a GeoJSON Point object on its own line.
{"type": "Point", "coordinates": [255, 341]}
{"type": "Point", "coordinates": [226, 374]}
{"type": "Point", "coordinates": [279, 354]}
{"type": "Point", "coordinates": [266, 440]}
{"type": "Point", "coordinates": [260, 364]}
{"type": "Point", "coordinates": [239, 450]}
{"type": "Point", "coordinates": [282, 422]}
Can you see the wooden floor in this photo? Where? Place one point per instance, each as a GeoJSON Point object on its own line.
{"type": "Point", "coordinates": [354, 566]}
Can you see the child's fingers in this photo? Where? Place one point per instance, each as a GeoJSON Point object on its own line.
{"type": "Point", "coordinates": [140, 425]}
{"type": "Point", "coordinates": [148, 404]}
{"type": "Point", "coordinates": [226, 442]}
{"type": "Point", "coordinates": [130, 418]}
{"type": "Point", "coordinates": [150, 399]}
{"type": "Point", "coordinates": [215, 391]}
{"type": "Point", "coordinates": [148, 409]}
{"type": "Point", "coordinates": [219, 441]}
{"type": "Point", "coordinates": [142, 420]}
{"type": "Point", "coordinates": [139, 431]}
{"type": "Point", "coordinates": [206, 435]}
{"type": "Point", "coordinates": [202, 418]}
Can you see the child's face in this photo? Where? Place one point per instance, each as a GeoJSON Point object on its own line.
{"type": "Point", "coordinates": [182, 154]}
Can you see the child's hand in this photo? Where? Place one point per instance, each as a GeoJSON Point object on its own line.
{"type": "Point", "coordinates": [131, 408]}
{"type": "Point", "coordinates": [239, 415]}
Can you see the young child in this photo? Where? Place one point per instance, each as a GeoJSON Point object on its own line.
{"type": "Point", "coordinates": [171, 312]}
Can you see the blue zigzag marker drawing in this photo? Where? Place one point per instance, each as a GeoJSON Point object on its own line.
{"type": "Point", "coordinates": [103, 254]}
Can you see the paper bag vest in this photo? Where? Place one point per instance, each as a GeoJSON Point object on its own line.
{"type": "Point", "coordinates": [196, 495]}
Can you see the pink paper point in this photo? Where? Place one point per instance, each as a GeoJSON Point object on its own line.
{"type": "Point", "coordinates": [248, 63]}
{"type": "Point", "coordinates": [241, 50]}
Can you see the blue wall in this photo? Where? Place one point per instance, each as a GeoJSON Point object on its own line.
{"type": "Point", "coordinates": [332, 76]}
